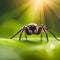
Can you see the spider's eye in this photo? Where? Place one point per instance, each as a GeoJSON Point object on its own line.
{"type": "Point", "coordinates": [36, 31]}
{"type": "Point", "coordinates": [30, 31]}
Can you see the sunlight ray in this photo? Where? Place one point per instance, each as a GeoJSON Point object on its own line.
{"type": "Point", "coordinates": [38, 9]}
{"type": "Point", "coordinates": [53, 10]}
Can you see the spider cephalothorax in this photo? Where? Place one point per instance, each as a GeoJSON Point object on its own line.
{"type": "Point", "coordinates": [33, 29]}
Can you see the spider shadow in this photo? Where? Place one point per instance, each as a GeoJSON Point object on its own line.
{"type": "Point", "coordinates": [31, 42]}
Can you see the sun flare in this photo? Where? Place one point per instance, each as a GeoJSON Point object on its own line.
{"type": "Point", "coordinates": [40, 11]}
{"type": "Point", "coordinates": [36, 10]}
{"type": "Point", "coordinates": [38, 1]}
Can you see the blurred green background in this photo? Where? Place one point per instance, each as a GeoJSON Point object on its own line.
{"type": "Point", "coordinates": [16, 13]}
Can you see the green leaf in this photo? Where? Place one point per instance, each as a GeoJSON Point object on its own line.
{"type": "Point", "coordinates": [29, 50]}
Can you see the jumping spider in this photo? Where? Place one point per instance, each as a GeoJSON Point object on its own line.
{"type": "Point", "coordinates": [33, 29]}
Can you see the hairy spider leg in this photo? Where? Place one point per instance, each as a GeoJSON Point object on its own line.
{"type": "Point", "coordinates": [45, 33]}
{"type": "Point", "coordinates": [40, 32]}
{"type": "Point", "coordinates": [21, 32]}
{"type": "Point", "coordinates": [15, 34]}
{"type": "Point", "coordinates": [26, 36]}
{"type": "Point", "coordinates": [52, 33]}
{"type": "Point", "coordinates": [41, 36]}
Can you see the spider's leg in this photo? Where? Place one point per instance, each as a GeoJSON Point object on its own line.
{"type": "Point", "coordinates": [21, 33]}
{"type": "Point", "coordinates": [46, 33]}
{"type": "Point", "coordinates": [52, 33]}
{"type": "Point", "coordinates": [39, 31]}
{"type": "Point", "coordinates": [41, 36]}
{"type": "Point", "coordinates": [25, 36]}
{"type": "Point", "coordinates": [15, 34]}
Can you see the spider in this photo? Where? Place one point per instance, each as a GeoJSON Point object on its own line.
{"type": "Point", "coordinates": [33, 29]}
